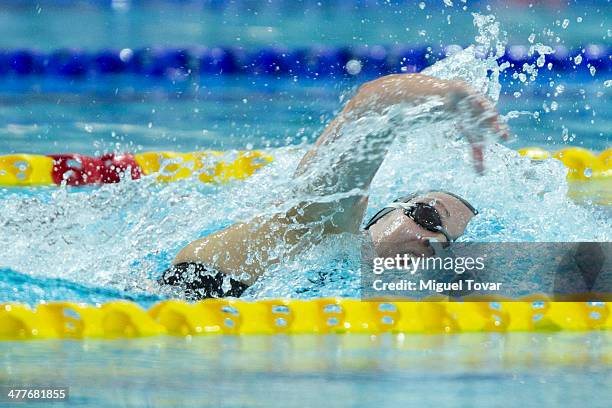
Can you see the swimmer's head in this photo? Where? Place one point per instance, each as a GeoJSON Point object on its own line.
{"type": "Point", "coordinates": [410, 223]}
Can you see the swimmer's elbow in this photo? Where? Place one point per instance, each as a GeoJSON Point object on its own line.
{"type": "Point", "coordinates": [383, 82]}
{"type": "Point", "coordinates": [380, 86]}
{"type": "Point", "coordinates": [379, 94]}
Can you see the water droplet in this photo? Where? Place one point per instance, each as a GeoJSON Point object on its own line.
{"type": "Point", "coordinates": [578, 59]}
{"type": "Point", "coordinates": [226, 285]}
{"type": "Point", "coordinates": [126, 54]}
{"type": "Point", "coordinates": [560, 89]}
{"type": "Point", "coordinates": [422, 5]}
{"type": "Point", "coordinates": [592, 70]}
{"type": "Point", "coordinates": [531, 38]}
{"type": "Point", "coordinates": [588, 173]}
{"type": "Point", "coordinates": [353, 67]}
{"type": "Point", "coordinates": [608, 83]}
{"type": "Point", "coordinates": [565, 23]}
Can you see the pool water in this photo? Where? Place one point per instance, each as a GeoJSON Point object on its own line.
{"type": "Point", "coordinates": [50, 24]}
{"type": "Point", "coordinates": [100, 243]}
{"type": "Point", "coordinates": [131, 114]}
{"type": "Point", "coordinates": [128, 113]}
{"type": "Point", "coordinates": [97, 244]}
{"type": "Point", "coordinates": [468, 370]}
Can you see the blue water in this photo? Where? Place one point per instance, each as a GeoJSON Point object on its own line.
{"type": "Point", "coordinates": [97, 244]}
{"type": "Point", "coordinates": [101, 243]}
{"type": "Point", "coordinates": [51, 24]}
{"type": "Point", "coordinates": [469, 370]}
{"type": "Point", "coordinates": [131, 114]}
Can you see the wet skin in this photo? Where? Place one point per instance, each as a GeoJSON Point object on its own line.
{"type": "Point", "coordinates": [243, 249]}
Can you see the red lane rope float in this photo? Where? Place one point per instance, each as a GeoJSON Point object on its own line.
{"type": "Point", "coordinates": [79, 170]}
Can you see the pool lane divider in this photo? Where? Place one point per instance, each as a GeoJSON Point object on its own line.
{"type": "Point", "coordinates": [19, 170]}
{"type": "Point", "coordinates": [317, 62]}
{"type": "Point", "coordinates": [582, 164]}
{"type": "Point", "coordinates": [121, 319]}
{"type": "Point", "coordinates": [29, 170]}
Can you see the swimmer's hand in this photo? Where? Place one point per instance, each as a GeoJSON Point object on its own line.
{"type": "Point", "coordinates": [478, 118]}
{"type": "Point", "coordinates": [474, 115]}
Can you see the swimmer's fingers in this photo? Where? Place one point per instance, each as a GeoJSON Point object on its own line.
{"type": "Point", "coordinates": [477, 111]}
{"type": "Point", "coordinates": [477, 143]}
{"type": "Point", "coordinates": [478, 158]}
{"type": "Point", "coordinates": [477, 119]}
{"type": "Point", "coordinates": [486, 116]}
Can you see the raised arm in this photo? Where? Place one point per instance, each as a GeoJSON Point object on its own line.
{"type": "Point", "coordinates": [348, 154]}
{"type": "Point", "coordinates": [333, 176]}
{"type": "Point", "coordinates": [350, 151]}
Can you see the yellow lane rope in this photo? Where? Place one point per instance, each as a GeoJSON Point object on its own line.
{"type": "Point", "coordinates": [582, 164]}
{"type": "Point", "coordinates": [18, 170]}
{"type": "Point", "coordinates": [215, 166]}
{"type": "Point", "coordinates": [589, 175]}
{"type": "Point", "coordinates": [121, 319]}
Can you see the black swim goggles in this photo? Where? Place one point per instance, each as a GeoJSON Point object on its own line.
{"type": "Point", "coordinates": [423, 214]}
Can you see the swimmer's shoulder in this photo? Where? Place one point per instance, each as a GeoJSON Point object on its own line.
{"type": "Point", "coordinates": [193, 252]}
{"type": "Point", "coordinates": [225, 250]}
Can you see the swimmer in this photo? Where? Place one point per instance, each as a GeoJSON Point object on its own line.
{"type": "Point", "coordinates": [342, 163]}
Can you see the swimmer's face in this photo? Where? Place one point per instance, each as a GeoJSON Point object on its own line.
{"type": "Point", "coordinates": [396, 233]}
